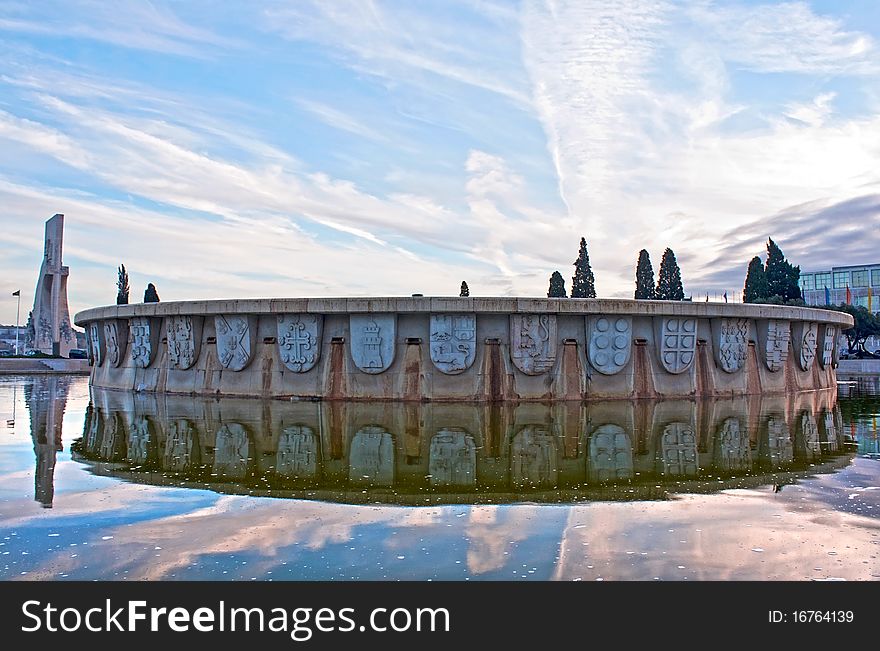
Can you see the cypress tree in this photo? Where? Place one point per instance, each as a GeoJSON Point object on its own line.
{"type": "Point", "coordinates": [669, 286]}
{"type": "Point", "coordinates": [644, 277]}
{"type": "Point", "coordinates": [122, 286]}
{"type": "Point", "coordinates": [583, 284]}
{"type": "Point", "coordinates": [464, 289]}
{"type": "Point", "coordinates": [150, 295]}
{"type": "Point", "coordinates": [755, 289]}
{"type": "Point", "coordinates": [557, 286]}
{"type": "Point", "coordinates": [782, 277]}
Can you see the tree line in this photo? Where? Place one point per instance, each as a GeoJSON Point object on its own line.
{"type": "Point", "coordinates": [122, 289]}
{"type": "Point", "coordinates": [583, 285]}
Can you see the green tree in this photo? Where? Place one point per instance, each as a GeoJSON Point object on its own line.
{"type": "Point", "coordinates": [669, 286]}
{"type": "Point", "coordinates": [583, 284]}
{"type": "Point", "coordinates": [644, 277]}
{"type": "Point", "coordinates": [782, 276]}
{"type": "Point", "coordinates": [866, 325]}
{"type": "Point", "coordinates": [122, 286]}
{"type": "Point", "coordinates": [464, 289]}
{"type": "Point", "coordinates": [557, 286]}
{"type": "Point", "coordinates": [755, 289]}
{"type": "Point", "coordinates": [150, 294]}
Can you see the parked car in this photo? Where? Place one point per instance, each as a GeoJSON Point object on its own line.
{"type": "Point", "coordinates": [78, 353]}
{"type": "Point", "coordinates": [5, 353]}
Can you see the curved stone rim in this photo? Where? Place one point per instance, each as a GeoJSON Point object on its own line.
{"type": "Point", "coordinates": [479, 305]}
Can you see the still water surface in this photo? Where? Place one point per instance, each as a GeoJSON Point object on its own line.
{"type": "Point", "coordinates": [124, 486]}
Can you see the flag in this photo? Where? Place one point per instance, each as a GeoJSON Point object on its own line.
{"type": "Point", "coordinates": [827, 296]}
{"type": "Point", "coordinates": [17, 293]}
{"type": "Point", "coordinates": [848, 295]}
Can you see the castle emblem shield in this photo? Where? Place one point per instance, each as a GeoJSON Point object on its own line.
{"type": "Point", "coordinates": [372, 341]}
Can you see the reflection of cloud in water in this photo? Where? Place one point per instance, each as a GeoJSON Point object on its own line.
{"type": "Point", "coordinates": [736, 535]}
{"type": "Point", "coordinates": [492, 532]}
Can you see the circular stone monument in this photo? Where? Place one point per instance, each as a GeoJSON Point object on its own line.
{"type": "Point", "coordinates": [462, 348]}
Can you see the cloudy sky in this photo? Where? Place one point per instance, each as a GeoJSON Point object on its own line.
{"type": "Point", "coordinates": [354, 148]}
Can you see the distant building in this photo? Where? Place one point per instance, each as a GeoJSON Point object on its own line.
{"type": "Point", "coordinates": [863, 281]}
{"type": "Point", "coordinates": [7, 337]}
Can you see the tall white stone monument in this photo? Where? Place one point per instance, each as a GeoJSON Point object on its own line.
{"type": "Point", "coordinates": [49, 329]}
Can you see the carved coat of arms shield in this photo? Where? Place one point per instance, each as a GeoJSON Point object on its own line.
{"type": "Point", "coordinates": [115, 340]}
{"type": "Point", "coordinates": [533, 342]}
{"type": "Point", "coordinates": [373, 341]}
{"type": "Point", "coordinates": [96, 343]}
{"type": "Point", "coordinates": [805, 338]}
{"type": "Point", "coordinates": [299, 340]}
{"type": "Point", "coordinates": [144, 334]}
{"type": "Point", "coordinates": [610, 343]}
{"type": "Point", "coordinates": [774, 338]}
{"type": "Point", "coordinates": [731, 343]}
{"type": "Point", "coordinates": [829, 343]}
{"type": "Point", "coordinates": [184, 335]}
{"type": "Point", "coordinates": [236, 340]}
{"type": "Point", "coordinates": [677, 345]}
{"type": "Point", "coordinates": [453, 342]}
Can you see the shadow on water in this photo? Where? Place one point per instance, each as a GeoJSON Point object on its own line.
{"type": "Point", "coordinates": [436, 453]}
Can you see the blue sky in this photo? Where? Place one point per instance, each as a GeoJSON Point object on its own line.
{"type": "Point", "coordinates": [355, 148]}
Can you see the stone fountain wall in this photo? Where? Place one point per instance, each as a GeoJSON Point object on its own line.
{"type": "Point", "coordinates": [462, 349]}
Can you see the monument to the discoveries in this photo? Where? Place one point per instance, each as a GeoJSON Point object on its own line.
{"type": "Point", "coordinates": [48, 328]}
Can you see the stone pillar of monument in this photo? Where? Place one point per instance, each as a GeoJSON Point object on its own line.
{"type": "Point", "coordinates": [49, 328]}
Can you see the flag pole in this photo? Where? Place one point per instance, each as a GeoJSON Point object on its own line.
{"type": "Point", "coordinates": [17, 319]}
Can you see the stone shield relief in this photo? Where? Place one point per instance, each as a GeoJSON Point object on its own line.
{"type": "Point", "coordinates": [144, 334]}
{"type": "Point", "coordinates": [678, 451]}
{"type": "Point", "coordinates": [299, 340]}
{"type": "Point", "coordinates": [453, 342]}
{"type": "Point", "coordinates": [298, 452]}
{"type": "Point", "coordinates": [452, 458]}
{"type": "Point", "coordinates": [96, 343]}
{"type": "Point", "coordinates": [731, 339]}
{"type": "Point", "coordinates": [371, 457]}
{"type": "Point", "coordinates": [611, 454]}
{"type": "Point", "coordinates": [805, 338]}
{"type": "Point", "coordinates": [184, 335]}
{"type": "Point", "coordinates": [610, 343]}
{"type": "Point", "coordinates": [829, 343]}
{"type": "Point", "coordinates": [115, 341]}
{"type": "Point", "coordinates": [677, 343]}
{"type": "Point", "coordinates": [533, 457]}
{"type": "Point", "coordinates": [774, 338]}
{"type": "Point", "coordinates": [533, 342]}
{"type": "Point", "coordinates": [372, 341]}
{"type": "Point", "coordinates": [236, 340]}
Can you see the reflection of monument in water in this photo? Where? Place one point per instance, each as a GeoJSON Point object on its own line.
{"type": "Point", "coordinates": [46, 399]}
{"type": "Point", "coordinates": [358, 451]}
{"type": "Point", "coordinates": [48, 328]}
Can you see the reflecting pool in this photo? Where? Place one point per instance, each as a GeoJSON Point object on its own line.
{"type": "Point", "coordinates": [117, 485]}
